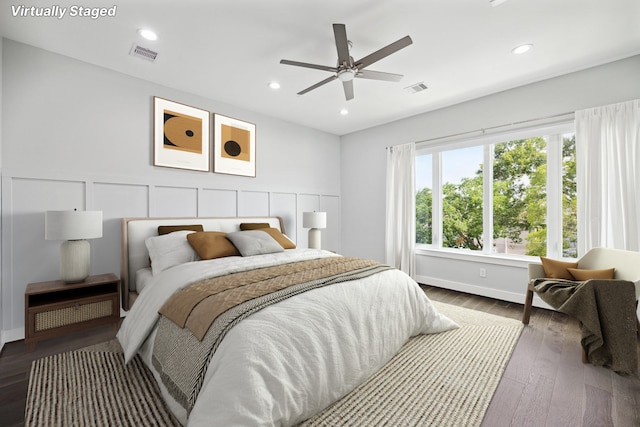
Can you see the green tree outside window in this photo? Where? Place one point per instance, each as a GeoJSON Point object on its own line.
{"type": "Point", "coordinates": [519, 201]}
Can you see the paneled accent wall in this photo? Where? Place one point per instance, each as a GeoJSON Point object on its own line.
{"type": "Point", "coordinates": [30, 258]}
{"type": "Point", "coordinates": [81, 136]}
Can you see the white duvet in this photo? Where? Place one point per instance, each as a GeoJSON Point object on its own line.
{"type": "Point", "coordinates": [292, 359]}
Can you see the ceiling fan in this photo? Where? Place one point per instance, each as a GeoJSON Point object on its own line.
{"type": "Point", "coordinates": [348, 69]}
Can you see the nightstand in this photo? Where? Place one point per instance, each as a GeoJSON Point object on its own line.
{"type": "Point", "coordinates": [55, 308]}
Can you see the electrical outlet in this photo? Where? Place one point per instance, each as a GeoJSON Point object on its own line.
{"type": "Point", "coordinates": [483, 272]}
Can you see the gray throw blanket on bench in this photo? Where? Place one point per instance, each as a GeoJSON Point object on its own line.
{"type": "Point", "coordinates": [607, 313]}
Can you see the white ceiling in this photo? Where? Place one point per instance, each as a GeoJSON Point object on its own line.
{"type": "Point", "coordinates": [230, 50]}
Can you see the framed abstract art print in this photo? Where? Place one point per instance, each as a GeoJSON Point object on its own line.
{"type": "Point", "coordinates": [180, 136]}
{"type": "Point", "coordinates": [234, 146]}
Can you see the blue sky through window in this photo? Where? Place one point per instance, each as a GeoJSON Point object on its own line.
{"type": "Point", "coordinates": [424, 172]}
{"type": "Point", "coordinates": [456, 165]}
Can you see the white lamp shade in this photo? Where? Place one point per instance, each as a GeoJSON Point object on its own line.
{"type": "Point", "coordinates": [314, 219]}
{"type": "Point", "coordinates": [73, 225]}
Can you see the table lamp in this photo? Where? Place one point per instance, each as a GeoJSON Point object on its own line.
{"type": "Point", "coordinates": [314, 221]}
{"type": "Point", "coordinates": [75, 252]}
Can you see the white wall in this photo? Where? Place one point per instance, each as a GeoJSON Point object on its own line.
{"type": "Point", "coordinates": [364, 166]}
{"type": "Point", "coordinates": [80, 136]}
{"type": "Point", "coordinates": [2, 338]}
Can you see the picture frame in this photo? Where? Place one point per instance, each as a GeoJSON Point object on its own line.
{"type": "Point", "coordinates": [234, 146]}
{"type": "Point", "coordinates": [181, 136]}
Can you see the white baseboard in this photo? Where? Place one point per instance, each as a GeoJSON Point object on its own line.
{"type": "Point", "coordinates": [488, 292]}
{"type": "Point", "coordinates": [482, 291]}
{"type": "Point", "coordinates": [11, 335]}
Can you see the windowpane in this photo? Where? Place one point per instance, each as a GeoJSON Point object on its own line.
{"type": "Point", "coordinates": [523, 218]}
{"type": "Point", "coordinates": [424, 210]}
{"type": "Point", "coordinates": [462, 198]}
{"type": "Point", "coordinates": [519, 197]}
{"type": "Point", "coordinates": [569, 197]}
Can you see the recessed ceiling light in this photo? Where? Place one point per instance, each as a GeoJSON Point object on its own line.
{"type": "Point", "coordinates": [274, 85]}
{"type": "Point", "coordinates": [522, 49]}
{"type": "Point", "coordinates": [344, 111]}
{"type": "Point", "coordinates": [148, 34]}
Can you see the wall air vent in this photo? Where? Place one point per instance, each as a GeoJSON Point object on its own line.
{"type": "Point", "coordinates": [415, 88]}
{"type": "Point", "coordinates": [143, 52]}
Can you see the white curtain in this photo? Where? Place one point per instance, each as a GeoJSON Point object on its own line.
{"type": "Point", "coordinates": [608, 176]}
{"type": "Point", "coordinates": [400, 228]}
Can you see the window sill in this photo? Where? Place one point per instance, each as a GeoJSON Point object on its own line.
{"type": "Point", "coordinates": [520, 261]}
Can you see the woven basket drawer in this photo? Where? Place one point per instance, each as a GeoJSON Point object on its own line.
{"type": "Point", "coordinates": [70, 315]}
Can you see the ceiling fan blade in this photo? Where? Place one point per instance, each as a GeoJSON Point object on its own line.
{"type": "Point", "coordinates": [348, 89]}
{"type": "Point", "coordinates": [307, 65]}
{"type": "Point", "coordinates": [317, 85]}
{"type": "Point", "coordinates": [378, 75]}
{"type": "Point", "coordinates": [342, 44]}
{"type": "Point", "coordinates": [384, 52]}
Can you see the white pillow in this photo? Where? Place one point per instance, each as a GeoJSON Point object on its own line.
{"type": "Point", "coordinates": [170, 250]}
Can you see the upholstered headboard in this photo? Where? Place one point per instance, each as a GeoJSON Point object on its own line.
{"type": "Point", "coordinates": [135, 231]}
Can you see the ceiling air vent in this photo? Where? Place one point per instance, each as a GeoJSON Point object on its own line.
{"type": "Point", "coordinates": [415, 88]}
{"type": "Point", "coordinates": [143, 52]}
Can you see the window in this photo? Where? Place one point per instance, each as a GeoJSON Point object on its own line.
{"type": "Point", "coordinates": [462, 198]}
{"type": "Point", "coordinates": [523, 202]}
{"type": "Point", "coordinates": [569, 197]}
{"type": "Point", "coordinates": [424, 184]}
{"type": "Point", "coordinates": [520, 196]}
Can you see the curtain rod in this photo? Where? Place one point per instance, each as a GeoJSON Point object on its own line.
{"type": "Point", "coordinates": [484, 130]}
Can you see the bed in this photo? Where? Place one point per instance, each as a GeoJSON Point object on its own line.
{"type": "Point", "coordinates": [313, 327]}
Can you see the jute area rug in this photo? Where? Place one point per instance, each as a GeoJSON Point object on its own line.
{"type": "Point", "coordinates": [445, 379]}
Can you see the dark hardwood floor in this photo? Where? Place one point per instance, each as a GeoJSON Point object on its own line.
{"type": "Point", "coordinates": [545, 383]}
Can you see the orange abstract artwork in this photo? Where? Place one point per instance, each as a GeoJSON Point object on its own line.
{"type": "Point", "coordinates": [236, 143]}
{"type": "Point", "coordinates": [182, 132]}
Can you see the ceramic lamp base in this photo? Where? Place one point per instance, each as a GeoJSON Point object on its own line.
{"type": "Point", "coordinates": [74, 260]}
{"type": "Point", "coordinates": [315, 236]}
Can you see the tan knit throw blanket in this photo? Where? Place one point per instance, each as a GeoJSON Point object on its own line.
{"type": "Point", "coordinates": [198, 305]}
{"type": "Point", "coordinates": [607, 313]}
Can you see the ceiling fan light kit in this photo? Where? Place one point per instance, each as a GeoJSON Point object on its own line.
{"type": "Point", "coordinates": [346, 75]}
{"type": "Point", "coordinates": [347, 69]}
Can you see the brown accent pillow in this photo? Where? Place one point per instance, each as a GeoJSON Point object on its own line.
{"type": "Point", "coordinates": [582, 275]}
{"type": "Point", "coordinates": [283, 240]}
{"type": "Point", "coordinates": [212, 244]}
{"type": "Point", "coordinates": [166, 229]}
{"type": "Point", "coordinates": [253, 225]}
{"type": "Point", "coordinates": [557, 269]}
